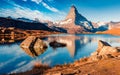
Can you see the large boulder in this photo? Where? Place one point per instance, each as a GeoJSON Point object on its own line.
{"type": "Point", "coordinates": [105, 48]}
{"type": "Point", "coordinates": [39, 44]}
{"type": "Point", "coordinates": [108, 50]}
{"type": "Point", "coordinates": [102, 44]}
{"type": "Point", "coordinates": [104, 51]}
{"type": "Point", "coordinates": [33, 46]}
{"type": "Point", "coordinates": [27, 43]}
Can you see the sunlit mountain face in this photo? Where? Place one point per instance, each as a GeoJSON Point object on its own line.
{"type": "Point", "coordinates": [54, 10]}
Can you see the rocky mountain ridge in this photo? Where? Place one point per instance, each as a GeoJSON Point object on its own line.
{"type": "Point", "coordinates": [75, 22]}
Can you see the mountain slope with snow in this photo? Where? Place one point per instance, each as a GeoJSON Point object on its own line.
{"type": "Point", "coordinates": [75, 22]}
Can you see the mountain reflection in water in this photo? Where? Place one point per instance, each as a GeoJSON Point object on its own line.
{"type": "Point", "coordinates": [72, 42]}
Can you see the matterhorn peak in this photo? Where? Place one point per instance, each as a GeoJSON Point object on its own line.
{"type": "Point", "coordinates": [76, 20]}
{"type": "Point", "coordinates": [73, 7]}
{"type": "Point", "coordinates": [72, 13]}
{"type": "Point", "coordinates": [75, 16]}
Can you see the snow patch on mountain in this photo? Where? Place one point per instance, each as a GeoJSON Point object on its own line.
{"type": "Point", "coordinates": [66, 22]}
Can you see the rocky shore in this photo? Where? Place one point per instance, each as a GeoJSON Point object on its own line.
{"type": "Point", "coordinates": [11, 34]}
{"type": "Point", "coordinates": [104, 61]}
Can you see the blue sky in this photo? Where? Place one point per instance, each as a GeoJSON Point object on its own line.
{"type": "Point", "coordinates": [54, 10]}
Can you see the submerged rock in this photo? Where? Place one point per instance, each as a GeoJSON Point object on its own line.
{"type": "Point", "coordinates": [33, 46]}
{"type": "Point", "coordinates": [56, 44]}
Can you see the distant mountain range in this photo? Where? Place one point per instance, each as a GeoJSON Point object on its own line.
{"type": "Point", "coordinates": [103, 26]}
{"type": "Point", "coordinates": [114, 25]}
{"type": "Point", "coordinates": [73, 23]}
{"type": "Point", "coordinates": [25, 20]}
{"type": "Point", "coordinates": [8, 22]}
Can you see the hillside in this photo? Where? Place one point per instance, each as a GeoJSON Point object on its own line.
{"type": "Point", "coordinates": [8, 22]}
{"type": "Point", "coordinates": [115, 31]}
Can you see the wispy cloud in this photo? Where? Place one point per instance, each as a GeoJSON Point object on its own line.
{"type": "Point", "coordinates": [17, 12]}
{"type": "Point", "coordinates": [37, 1]}
{"type": "Point", "coordinates": [50, 8]}
{"type": "Point", "coordinates": [46, 5]}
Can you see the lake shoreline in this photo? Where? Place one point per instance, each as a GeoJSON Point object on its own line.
{"type": "Point", "coordinates": [13, 35]}
{"type": "Point", "coordinates": [99, 62]}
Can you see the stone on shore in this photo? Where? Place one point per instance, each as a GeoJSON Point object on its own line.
{"type": "Point", "coordinates": [105, 48]}
{"type": "Point", "coordinates": [104, 51]}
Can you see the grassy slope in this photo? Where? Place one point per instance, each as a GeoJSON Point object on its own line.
{"type": "Point", "coordinates": [115, 31]}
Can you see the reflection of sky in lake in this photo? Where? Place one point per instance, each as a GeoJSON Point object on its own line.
{"type": "Point", "coordinates": [14, 59]}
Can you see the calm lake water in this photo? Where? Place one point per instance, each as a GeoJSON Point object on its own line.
{"type": "Point", "coordinates": [15, 59]}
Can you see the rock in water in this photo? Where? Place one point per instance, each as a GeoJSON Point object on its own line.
{"type": "Point", "coordinates": [33, 46]}
{"type": "Point", "coordinates": [27, 43]}
{"type": "Point", "coordinates": [40, 44]}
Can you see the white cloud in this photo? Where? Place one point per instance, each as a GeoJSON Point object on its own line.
{"type": "Point", "coordinates": [50, 8]}
{"type": "Point", "coordinates": [37, 1]}
{"type": "Point", "coordinates": [46, 5]}
{"type": "Point", "coordinates": [17, 12]}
